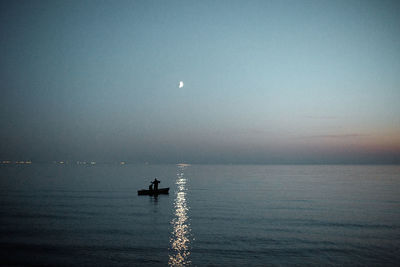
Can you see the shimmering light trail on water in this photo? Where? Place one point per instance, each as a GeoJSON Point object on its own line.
{"type": "Point", "coordinates": [180, 235]}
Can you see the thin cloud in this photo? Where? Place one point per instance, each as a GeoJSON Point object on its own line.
{"type": "Point", "coordinates": [338, 136]}
{"type": "Point", "coordinates": [321, 117]}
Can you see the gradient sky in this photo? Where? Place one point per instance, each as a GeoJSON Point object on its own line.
{"type": "Point", "coordinates": [265, 81]}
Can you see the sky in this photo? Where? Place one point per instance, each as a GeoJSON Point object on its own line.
{"type": "Point", "coordinates": [265, 82]}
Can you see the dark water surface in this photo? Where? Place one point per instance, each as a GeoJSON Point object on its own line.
{"type": "Point", "coordinates": [54, 215]}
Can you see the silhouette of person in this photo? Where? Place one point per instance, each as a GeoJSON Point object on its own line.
{"type": "Point", "coordinates": [155, 182]}
{"type": "Point", "coordinates": [151, 186]}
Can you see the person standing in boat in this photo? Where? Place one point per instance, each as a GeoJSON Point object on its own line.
{"type": "Point", "coordinates": [155, 183]}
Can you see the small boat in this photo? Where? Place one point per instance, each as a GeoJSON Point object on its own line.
{"type": "Point", "coordinates": [153, 192]}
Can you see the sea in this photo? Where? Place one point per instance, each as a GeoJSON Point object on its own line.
{"type": "Point", "coordinates": [214, 215]}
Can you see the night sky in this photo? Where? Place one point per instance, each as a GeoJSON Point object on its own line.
{"type": "Point", "coordinates": [264, 81]}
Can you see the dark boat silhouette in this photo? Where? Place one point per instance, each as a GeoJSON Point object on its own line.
{"type": "Point", "coordinates": [153, 192]}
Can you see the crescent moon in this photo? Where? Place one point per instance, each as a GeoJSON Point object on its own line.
{"type": "Point", "coordinates": [180, 84]}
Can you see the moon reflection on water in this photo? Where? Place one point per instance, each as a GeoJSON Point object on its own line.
{"type": "Point", "coordinates": [180, 235]}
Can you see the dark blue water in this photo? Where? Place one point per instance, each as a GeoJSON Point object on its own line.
{"type": "Point", "coordinates": [54, 215]}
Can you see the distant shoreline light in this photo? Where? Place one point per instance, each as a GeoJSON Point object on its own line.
{"type": "Point", "coordinates": [16, 162]}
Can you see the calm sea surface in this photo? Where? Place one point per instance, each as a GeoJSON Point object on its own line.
{"type": "Point", "coordinates": [70, 215]}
